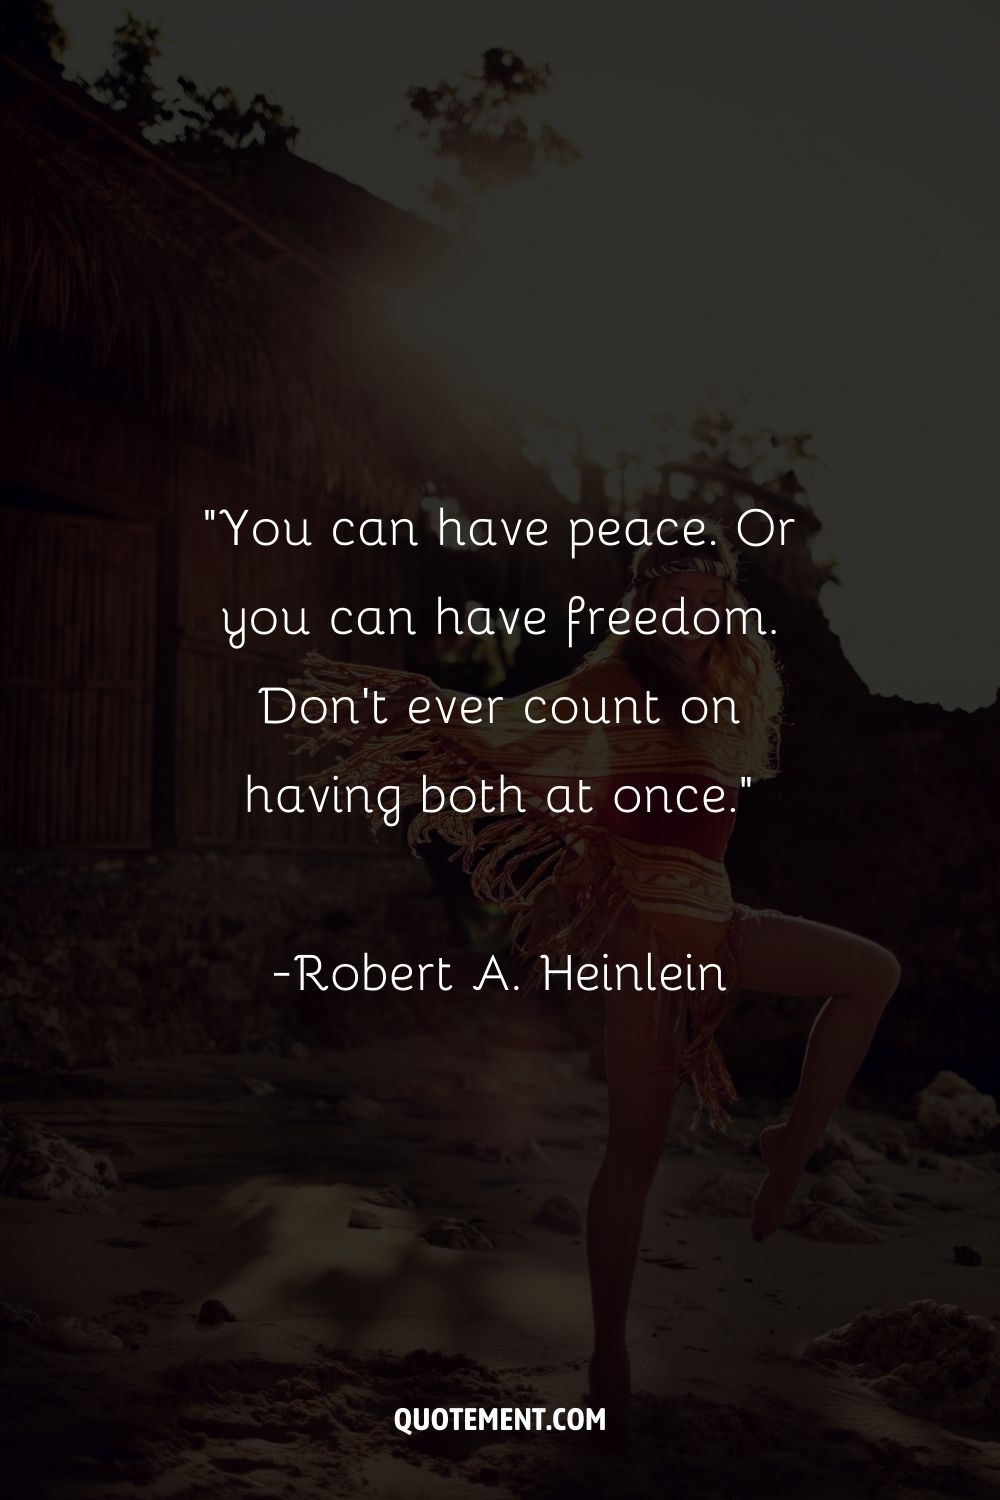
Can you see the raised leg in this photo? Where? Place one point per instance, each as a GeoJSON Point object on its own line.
{"type": "Point", "coordinates": [792, 956]}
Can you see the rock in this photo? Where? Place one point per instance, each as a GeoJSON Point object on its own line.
{"type": "Point", "coordinates": [838, 1144]}
{"type": "Point", "coordinates": [79, 1336]}
{"type": "Point", "coordinates": [879, 1206]}
{"type": "Point", "coordinates": [966, 1256]}
{"type": "Point", "coordinates": [155, 1301]}
{"type": "Point", "coordinates": [13, 1315]}
{"type": "Point", "coordinates": [259, 1087]}
{"type": "Point", "coordinates": [948, 1084]}
{"type": "Point", "coordinates": [356, 1109]}
{"type": "Point", "coordinates": [34, 1164]}
{"type": "Point", "coordinates": [364, 1218]}
{"type": "Point", "coordinates": [952, 1114]}
{"type": "Point", "coordinates": [87, 946]}
{"type": "Point", "coordinates": [498, 1153]}
{"type": "Point", "coordinates": [847, 1172]}
{"type": "Point", "coordinates": [298, 1051]}
{"type": "Point", "coordinates": [832, 1189]}
{"type": "Point", "coordinates": [561, 1214]}
{"type": "Point", "coordinates": [213, 1312]}
{"type": "Point", "coordinates": [728, 1194]}
{"type": "Point", "coordinates": [37, 1034]}
{"type": "Point", "coordinates": [494, 1153]}
{"type": "Point", "coordinates": [835, 1226]}
{"type": "Point", "coordinates": [894, 1145]}
{"type": "Point", "coordinates": [455, 1234]}
{"type": "Point", "coordinates": [951, 1166]}
{"type": "Point", "coordinates": [928, 1358]}
{"type": "Point", "coordinates": [389, 1196]}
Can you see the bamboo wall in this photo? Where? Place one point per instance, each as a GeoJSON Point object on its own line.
{"type": "Point", "coordinates": [77, 673]}
{"type": "Point", "coordinates": [220, 728]}
{"type": "Point", "coordinates": [128, 719]}
{"type": "Point", "coordinates": [57, 442]}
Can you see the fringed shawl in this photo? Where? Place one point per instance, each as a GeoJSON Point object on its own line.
{"type": "Point", "coordinates": [568, 880]}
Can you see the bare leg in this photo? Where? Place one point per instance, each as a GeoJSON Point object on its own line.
{"type": "Point", "coordinates": [792, 956]}
{"type": "Point", "coordinates": [642, 1081]}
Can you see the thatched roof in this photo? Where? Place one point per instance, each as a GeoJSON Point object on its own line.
{"type": "Point", "coordinates": [129, 272]}
{"type": "Point", "coordinates": [367, 238]}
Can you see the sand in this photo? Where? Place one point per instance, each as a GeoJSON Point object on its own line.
{"type": "Point", "coordinates": [399, 1224]}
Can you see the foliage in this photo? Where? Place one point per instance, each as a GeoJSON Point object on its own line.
{"type": "Point", "coordinates": [216, 121]}
{"type": "Point", "coordinates": [697, 458]}
{"type": "Point", "coordinates": [127, 86]}
{"type": "Point", "coordinates": [479, 128]}
{"type": "Point", "coordinates": [204, 123]}
{"type": "Point", "coordinates": [29, 30]}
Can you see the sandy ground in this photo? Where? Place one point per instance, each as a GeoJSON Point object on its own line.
{"type": "Point", "coordinates": [245, 1197]}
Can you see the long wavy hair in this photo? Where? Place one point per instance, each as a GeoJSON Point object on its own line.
{"type": "Point", "coordinates": [741, 665]}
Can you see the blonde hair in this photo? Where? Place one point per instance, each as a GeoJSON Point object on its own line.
{"type": "Point", "coordinates": [741, 666]}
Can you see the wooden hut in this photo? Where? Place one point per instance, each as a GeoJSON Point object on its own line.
{"type": "Point", "coordinates": [166, 350]}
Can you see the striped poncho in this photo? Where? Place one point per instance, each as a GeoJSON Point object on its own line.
{"type": "Point", "coordinates": [567, 879]}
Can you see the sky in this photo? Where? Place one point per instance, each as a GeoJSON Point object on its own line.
{"type": "Point", "coordinates": [791, 204]}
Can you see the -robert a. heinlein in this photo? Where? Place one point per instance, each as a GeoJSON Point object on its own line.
{"type": "Point", "coordinates": [564, 973]}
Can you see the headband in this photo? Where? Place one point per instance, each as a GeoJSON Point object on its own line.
{"type": "Point", "coordinates": [687, 565]}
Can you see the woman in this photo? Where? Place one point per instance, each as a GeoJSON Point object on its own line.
{"type": "Point", "coordinates": [600, 864]}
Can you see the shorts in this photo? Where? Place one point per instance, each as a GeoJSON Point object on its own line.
{"type": "Point", "coordinates": [648, 1032]}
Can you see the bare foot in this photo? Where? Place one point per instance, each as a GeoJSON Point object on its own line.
{"type": "Point", "coordinates": [778, 1186]}
{"type": "Point", "coordinates": [611, 1388]}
